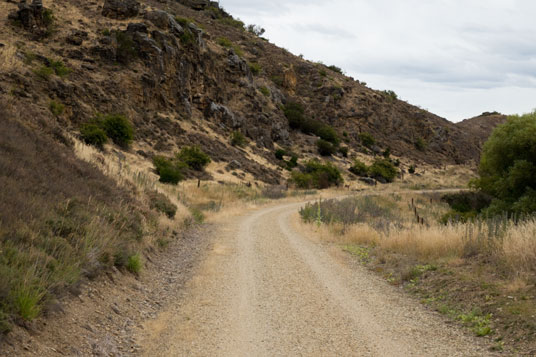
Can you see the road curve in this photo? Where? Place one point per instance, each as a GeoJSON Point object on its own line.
{"type": "Point", "coordinates": [265, 290]}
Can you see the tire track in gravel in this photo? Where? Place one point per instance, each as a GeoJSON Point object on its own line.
{"type": "Point", "coordinates": [265, 290]}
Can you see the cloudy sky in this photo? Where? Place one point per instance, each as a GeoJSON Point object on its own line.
{"type": "Point", "coordinates": [456, 58]}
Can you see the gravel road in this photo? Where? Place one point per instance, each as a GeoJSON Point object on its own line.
{"type": "Point", "coordinates": [265, 290]}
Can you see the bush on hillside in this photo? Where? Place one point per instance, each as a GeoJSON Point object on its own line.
{"type": "Point", "coordinates": [325, 148]}
{"type": "Point", "coordinates": [317, 175]}
{"type": "Point", "coordinates": [329, 134]}
{"type": "Point", "coordinates": [420, 144]}
{"type": "Point", "coordinates": [295, 114]}
{"type": "Point", "coordinates": [508, 166]}
{"type": "Point", "coordinates": [119, 129]}
{"type": "Point", "coordinates": [170, 171]}
{"type": "Point", "coordinates": [383, 170]}
{"type": "Point", "coordinates": [344, 151]}
{"type": "Point", "coordinates": [279, 154]}
{"type": "Point", "coordinates": [367, 139]}
{"type": "Point", "coordinates": [93, 134]}
{"type": "Point", "coordinates": [359, 168]}
{"type": "Point", "coordinates": [161, 203]}
{"type": "Point", "coordinates": [194, 157]}
{"type": "Point", "coordinates": [238, 139]}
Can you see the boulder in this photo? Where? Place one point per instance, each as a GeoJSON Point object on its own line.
{"type": "Point", "coordinates": [226, 116]}
{"type": "Point", "coordinates": [165, 21]}
{"type": "Point", "coordinates": [120, 9]}
{"type": "Point", "coordinates": [368, 181]}
{"type": "Point", "coordinates": [32, 17]}
{"type": "Point", "coordinates": [77, 37]}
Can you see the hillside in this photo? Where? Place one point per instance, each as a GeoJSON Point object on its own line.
{"type": "Point", "coordinates": [481, 126]}
{"type": "Point", "coordinates": [193, 75]}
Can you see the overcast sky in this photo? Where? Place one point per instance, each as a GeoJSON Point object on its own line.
{"type": "Point", "coordinates": [456, 58]}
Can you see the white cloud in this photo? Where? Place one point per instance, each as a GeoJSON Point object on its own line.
{"type": "Point", "coordinates": [456, 58]}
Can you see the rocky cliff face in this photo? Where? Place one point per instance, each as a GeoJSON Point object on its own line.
{"type": "Point", "coordinates": [187, 73]}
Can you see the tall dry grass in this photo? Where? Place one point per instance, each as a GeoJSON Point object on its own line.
{"type": "Point", "coordinates": [509, 244]}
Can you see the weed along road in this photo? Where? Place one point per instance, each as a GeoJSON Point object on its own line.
{"type": "Point", "coordinates": [266, 290]}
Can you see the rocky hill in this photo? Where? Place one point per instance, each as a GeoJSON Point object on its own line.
{"type": "Point", "coordinates": [481, 126]}
{"type": "Point", "coordinates": [188, 73]}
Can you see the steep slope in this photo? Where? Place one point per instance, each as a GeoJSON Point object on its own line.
{"type": "Point", "coordinates": [192, 74]}
{"type": "Point", "coordinates": [480, 127]}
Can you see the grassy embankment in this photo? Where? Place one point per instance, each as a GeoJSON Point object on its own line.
{"type": "Point", "coordinates": [480, 273]}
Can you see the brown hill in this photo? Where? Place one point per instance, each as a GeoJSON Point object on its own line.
{"type": "Point", "coordinates": [191, 74]}
{"type": "Point", "coordinates": [481, 126]}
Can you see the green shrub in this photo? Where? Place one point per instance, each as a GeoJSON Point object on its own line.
{"type": "Point", "coordinates": [359, 168]}
{"type": "Point", "coordinates": [292, 162]}
{"type": "Point", "coordinates": [56, 108]}
{"type": "Point", "coordinates": [336, 69]}
{"type": "Point", "coordinates": [311, 126]}
{"type": "Point", "coordinates": [197, 215]}
{"type": "Point", "coordinates": [383, 169]}
{"type": "Point", "coordinates": [278, 80]}
{"type": "Point", "coordinates": [238, 139]}
{"type": "Point", "coordinates": [279, 154]}
{"type": "Point", "coordinates": [256, 30]}
{"type": "Point", "coordinates": [420, 144]}
{"type": "Point", "coordinates": [194, 157]}
{"type": "Point", "coordinates": [411, 169]}
{"type": "Point", "coordinates": [255, 68]}
{"type": "Point", "coordinates": [387, 153]}
{"type": "Point", "coordinates": [59, 68]}
{"type": "Point", "coordinates": [119, 129]}
{"type": "Point", "coordinates": [161, 203]}
{"type": "Point", "coordinates": [265, 91]}
{"type": "Point", "coordinates": [134, 264]}
{"type": "Point", "coordinates": [183, 21]}
{"type": "Point", "coordinates": [325, 148]}
{"type": "Point", "coordinates": [295, 114]}
{"type": "Point", "coordinates": [367, 139]}
{"type": "Point", "coordinates": [317, 175]}
{"type": "Point", "coordinates": [507, 168]}
{"type": "Point", "coordinates": [187, 38]}
{"type": "Point", "coordinates": [169, 171]}
{"type": "Point", "coordinates": [344, 151]}
{"type": "Point", "coordinates": [93, 134]}
{"type": "Point", "coordinates": [44, 72]}
{"type": "Point", "coordinates": [391, 95]}
{"type": "Point", "coordinates": [329, 134]}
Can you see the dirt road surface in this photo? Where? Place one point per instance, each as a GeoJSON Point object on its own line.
{"type": "Point", "coordinates": [265, 290]}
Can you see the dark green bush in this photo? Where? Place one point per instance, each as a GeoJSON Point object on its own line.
{"type": "Point", "coordinates": [383, 170]}
{"type": "Point", "coordinates": [386, 153]}
{"type": "Point", "coordinates": [238, 139]}
{"type": "Point", "coordinates": [59, 68]}
{"type": "Point", "coordinates": [279, 154]}
{"type": "Point", "coordinates": [161, 203]}
{"type": "Point", "coordinates": [336, 69]}
{"type": "Point", "coordinates": [295, 114]}
{"type": "Point", "coordinates": [329, 134]}
{"type": "Point", "coordinates": [325, 148]}
{"type": "Point", "coordinates": [344, 151]}
{"type": "Point", "coordinates": [317, 175]}
{"type": "Point", "coordinates": [359, 168]}
{"type": "Point", "coordinates": [119, 129]}
{"type": "Point", "coordinates": [311, 126]}
{"type": "Point", "coordinates": [508, 166]}
{"type": "Point", "coordinates": [467, 201]}
{"type": "Point", "coordinates": [292, 162]}
{"type": "Point", "coordinates": [411, 169]}
{"type": "Point", "coordinates": [391, 95]}
{"type": "Point", "coordinates": [194, 157]}
{"type": "Point", "coordinates": [367, 139]}
{"type": "Point", "coordinates": [93, 134]}
{"type": "Point", "coordinates": [170, 171]}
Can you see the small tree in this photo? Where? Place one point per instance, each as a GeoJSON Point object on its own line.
{"type": "Point", "coordinates": [359, 168]}
{"type": "Point", "coordinates": [383, 169]}
{"type": "Point", "coordinates": [367, 140]}
{"type": "Point", "coordinates": [119, 129]}
{"type": "Point", "coordinates": [508, 166]}
{"type": "Point", "coordinates": [194, 157]}
{"type": "Point", "coordinates": [325, 148]}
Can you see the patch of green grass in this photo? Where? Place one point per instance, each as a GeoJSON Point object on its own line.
{"type": "Point", "coordinates": [238, 139]}
{"type": "Point", "coordinates": [59, 68]}
{"type": "Point", "coordinates": [255, 68]}
{"type": "Point", "coordinates": [27, 300]}
{"type": "Point", "coordinates": [197, 215]}
{"type": "Point", "coordinates": [229, 21]}
{"type": "Point", "coordinates": [363, 253]}
{"type": "Point", "coordinates": [134, 263]}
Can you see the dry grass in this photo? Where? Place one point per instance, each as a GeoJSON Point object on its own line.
{"type": "Point", "coordinates": [389, 226]}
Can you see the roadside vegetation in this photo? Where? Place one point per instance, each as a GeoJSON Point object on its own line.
{"type": "Point", "coordinates": [469, 255]}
